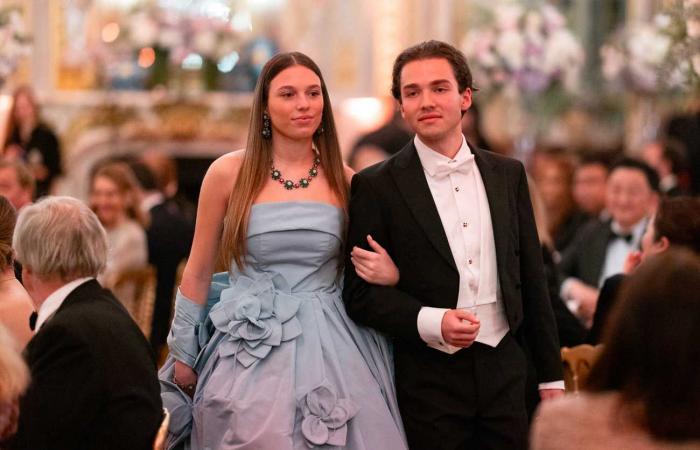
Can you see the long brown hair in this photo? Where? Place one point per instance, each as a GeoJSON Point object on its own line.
{"type": "Point", "coordinates": [258, 154]}
{"type": "Point", "coordinates": [8, 217]}
{"type": "Point", "coordinates": [651, 354]}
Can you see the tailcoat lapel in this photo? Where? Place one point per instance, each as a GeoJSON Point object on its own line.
{"type": "Point", "coordinates": [494, 178]}
{"type": "Point", "coordinates": [409, 176]}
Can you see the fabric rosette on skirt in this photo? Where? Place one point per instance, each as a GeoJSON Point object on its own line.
{"type": "Point", "coordinates": [325, 417]}
{"type": "Point", "coordinates": [255, 315]}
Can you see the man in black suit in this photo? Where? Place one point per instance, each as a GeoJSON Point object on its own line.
{"type": "Point", "coordinates": [93, 377]}
{"type": "Point", "coordinates": [169, 236]}
{"type": "Point", "coordinates": [601, 247]}
{"type": "Point", "coordinates": [471, 301]}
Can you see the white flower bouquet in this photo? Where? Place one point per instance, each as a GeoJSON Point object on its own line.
{"type": "Point", "coordinates": [657, 57]}
{"type": "Point", "coordinates": [524, 50]}
{"type": "Point", "coordinates": [15, 42]}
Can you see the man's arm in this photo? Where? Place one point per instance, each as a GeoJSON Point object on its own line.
{"type": "Point", "coordinates": [64, 395]}
{"type": "Point", "coordinates": [539, 325]}
{"type": "Point", "coordinates": [384, 308]}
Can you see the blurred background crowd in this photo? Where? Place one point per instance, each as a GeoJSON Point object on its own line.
{"type": "Point", "coordinates": [125, 103]}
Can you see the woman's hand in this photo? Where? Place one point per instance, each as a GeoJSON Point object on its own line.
{"type": "Point", "coordinates": [376, 266]}
{"type": "Point", "coordinates": [633, 260]}
{"type": "Point", "coordinates": [185, 378]}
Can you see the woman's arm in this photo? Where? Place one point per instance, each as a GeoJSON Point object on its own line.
{"type": "Point", "coordinates": [196, 278]}
{"type": "Point", "coordinates": [211, 210]}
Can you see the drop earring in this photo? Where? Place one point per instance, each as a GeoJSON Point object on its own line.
{"type": "Point", "coordinates": [266, 127]}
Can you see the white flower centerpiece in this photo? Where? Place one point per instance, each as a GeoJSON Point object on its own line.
{"type": "Point", "coordinates": [175, 40]}
{"type": "Point", "coordinates": [526, 52]}
{"type": "Point", "coordinates": [658, 57]}
{"type": "Point", "coordinates": [15, 42]}
{"type": "Point", "coordinates": [656, 65]}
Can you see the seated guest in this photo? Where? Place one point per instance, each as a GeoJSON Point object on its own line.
{"type": "Point", "coordinates": [169, 235]}
{"type": "Point", "coordinates": [588, 187]}
{"type": "Point", "coordinates": [16, 183]}
{"type": "Point", "coordinates": [571, 331]}
{"type": "Point", "coordinates": [94, 383]}
{"type": "Point", "coordinates": [14, 377]}
{"type": "Point", "coordinates": [114, 196]}
{"type": "Point", "coordinates": [165, 171]}
{"type": "Point", "coordinates": [675, 224]}
{"type": "Point", "coordinates": [553, 171]}
{"type": "Point", "coordinates": [643, 392]}
{"type": "Point", "coordinates": [15, 303]}
{"type": "Point", "coordinates": [667, 157]}
{"type": "Point", "coordinates": [601, 247]}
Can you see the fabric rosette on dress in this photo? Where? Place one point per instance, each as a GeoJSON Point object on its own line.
{"type": "Point", "coordinates": [326, 417]}
{"type": "Point", "coordinates": [255, 315]}
{"type": "Point", "coordinates": [252, 315]}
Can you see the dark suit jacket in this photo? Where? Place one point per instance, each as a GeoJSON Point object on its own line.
{"type": "Point", "coordinates": [392, 202]}
{"type": "Point", "coordinates": [169, 240]}
{"type": "Point", "coordinates": [571, 330]}
{"type": "Point", "coordinates": [585, 257]}
{"type": "Point", "coordinates": [93, 379]}
{"type": "Point", "coordinates": [606, 300]}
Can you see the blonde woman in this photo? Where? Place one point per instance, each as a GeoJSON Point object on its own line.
{"type": "Point", "coordinates": [114, 197]}
{"type": "Point", "coordinates": [14, 378]}
{"type": "Point", "coordinates": [267, 351]}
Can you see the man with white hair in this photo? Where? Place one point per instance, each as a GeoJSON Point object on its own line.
{"type": "Point", "coordinates": [93, 376]}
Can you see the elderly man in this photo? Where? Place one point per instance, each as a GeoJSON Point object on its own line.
{"type": "Point", "coordinates": [93, 376]}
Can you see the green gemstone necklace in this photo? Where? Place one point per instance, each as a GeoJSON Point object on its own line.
{"type": "Point", "coordinates": [303, 182]}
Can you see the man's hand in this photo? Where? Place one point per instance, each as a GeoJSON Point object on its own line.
{"type": "Point", "coordinates": [587, 297]}
{"type": "Point", "coordinates": [550, 394]}
{"type": "Point", "coordinates": [460, 327]}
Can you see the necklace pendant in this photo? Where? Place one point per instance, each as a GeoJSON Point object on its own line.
{"type": "Point", "coordinates": [313, 172]}
{"type": "Point", "coordinates": [304, 183]}
{"type": "Point", "coordinates": [276, 174]}
{"type": "Point", "coordinates": [289, 185]}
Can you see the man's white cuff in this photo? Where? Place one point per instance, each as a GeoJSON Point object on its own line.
{"type": "Point", "coordinates": [430, 325]}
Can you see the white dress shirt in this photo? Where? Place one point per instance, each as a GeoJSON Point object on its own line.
{"type": "Point", "coordinates": [460, 197]}
{"type": "Point", "coordinates": [461, 201]}
{"type": "Point", "coordinates": [55, 300]}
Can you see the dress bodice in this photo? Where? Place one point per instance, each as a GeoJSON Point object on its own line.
{"type": "Point", "coordinates": [299, 240]}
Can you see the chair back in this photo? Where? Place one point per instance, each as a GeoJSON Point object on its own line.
{"type": "Point", "coordinates": [136, 289]}
{"type": "Point", "coordinates": [162, 434]}
{"type": "Point", "coordinates": [577, 364]}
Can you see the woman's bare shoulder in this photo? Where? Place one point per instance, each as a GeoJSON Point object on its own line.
{"type": "Point", "coordinates": [225, 168]}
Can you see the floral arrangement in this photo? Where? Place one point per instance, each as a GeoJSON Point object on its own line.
{"type": "Point", "coordinates": [178, 34]}
{"type": "Point", "coordinates": [662, 56]}
{"type": "Point", "coordinates": [14, 41]}
{"type": "Point", "coordinates": [524, 50]}
{"type": "Point", "coordinates": [163, 40]}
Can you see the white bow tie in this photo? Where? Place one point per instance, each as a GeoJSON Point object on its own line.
{"type": "Point", "coordinates": [444, 168]}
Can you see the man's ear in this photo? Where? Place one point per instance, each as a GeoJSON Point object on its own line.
{"type": "Point", "coordinates": [466, 99]}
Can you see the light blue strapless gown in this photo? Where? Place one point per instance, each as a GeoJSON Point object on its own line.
{"type": "Point", "coordinates": [282, 366]}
